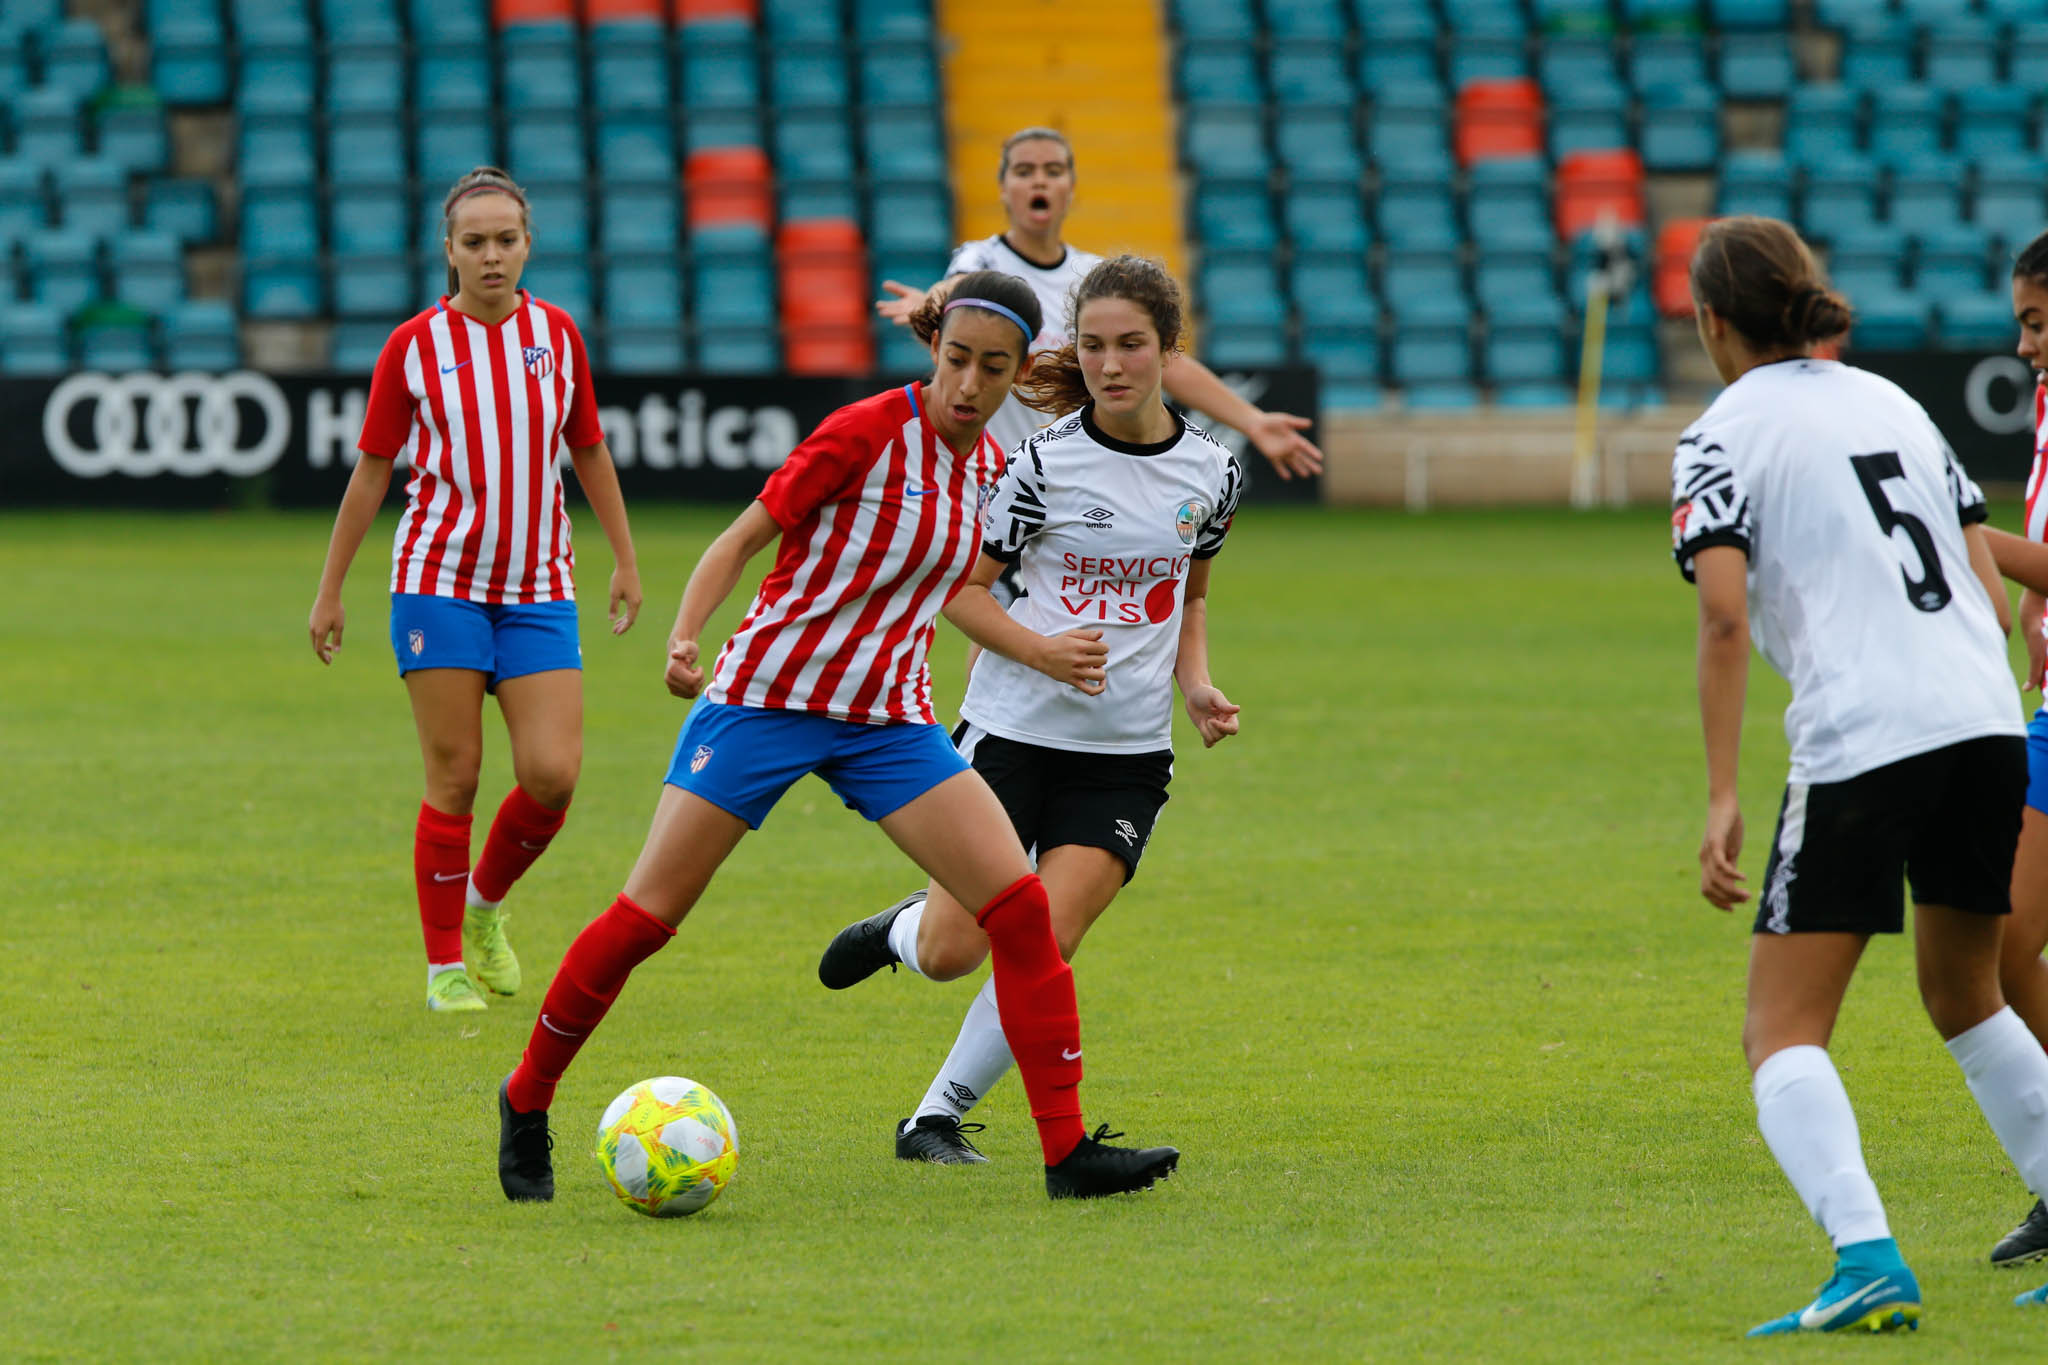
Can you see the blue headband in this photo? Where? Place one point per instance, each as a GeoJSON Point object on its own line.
{"type": "Point", "coordinates": [1022, 326]}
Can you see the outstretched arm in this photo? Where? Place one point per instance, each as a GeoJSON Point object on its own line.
{"type": "Point", "coordinates": [1276, 434]}
{"type": "Point", "coordinates": [907, 299]}
{"type": "Point", "coordinates": [711, 582]}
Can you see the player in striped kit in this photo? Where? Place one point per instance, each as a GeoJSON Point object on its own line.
{"type": "Point", "coordinates": [1112, 516]}
{"type": "Point", "coordinates": [877, 512]}
{"type": "Point", "coordinates": [1037, 179]}
{"type": "Point", "coordinates": [1816, 507]}
{"type": "Point", "coordinates": [482, 393]}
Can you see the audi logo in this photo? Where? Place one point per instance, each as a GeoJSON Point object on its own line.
{"type": "Point", "coordinates": [146, 424]}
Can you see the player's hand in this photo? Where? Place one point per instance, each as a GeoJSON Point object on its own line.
{"type": "Point", "coordinates": [625, 599]}
{"type": "Point", "coordinates": [906, 302]}
{"type": "Point", "coordinates": [1720, 880]}
{"type": "Point", "coordinates": [1078, 658]}
{"type": "Point", "coordinates": [324, 625]}
{"type": "Point", "coordinates": [684, 678]}
{"type": "Point", "coordinates": [1214, 715]}
{"type": "Point", "coordinates": [2037, 650]}
{"type": "Point", "coordinates": [1278, 437]}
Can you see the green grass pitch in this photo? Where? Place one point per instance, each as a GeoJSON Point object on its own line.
{"type": "Point", "coordinates": [1416, 976]}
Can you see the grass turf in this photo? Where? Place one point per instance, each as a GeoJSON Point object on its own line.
{"type": "Point", "coordinates": [1415, 974]}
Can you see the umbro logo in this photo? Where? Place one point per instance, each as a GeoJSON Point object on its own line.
{"type": "Point", "coordinates": [1098, 518]}
{"type": "Point", "coordinates": [959, 1096]}
{"type": "Point", "coordinates": [1128, 832]}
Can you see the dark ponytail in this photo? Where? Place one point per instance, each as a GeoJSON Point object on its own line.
{"type": "Point", "coordinates": [993, 286]}
{"type": "Point", "coordinates": [1055, 384]}
{"type": "Point", "coordinates": [2032, 262]}
{"type": "Point", "coordinates": [479, 181]}
{"type": "Point", "coordinates": [1758, 274]}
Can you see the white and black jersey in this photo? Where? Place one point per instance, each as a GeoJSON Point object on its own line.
{"type": "Point", "coordinates": [1103, 533]}
{"type": "Point", "coordinates": [1054, 285]}
{"type": "Point", "coordinates": [1850, 507]}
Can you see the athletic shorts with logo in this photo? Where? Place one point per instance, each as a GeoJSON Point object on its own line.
{"type": "Point", "coordinates": [501, 640]}
{"type": "Point", "coordinates": [1948, 820]}
{"type": "Point", "coordinates": [1058, 796]}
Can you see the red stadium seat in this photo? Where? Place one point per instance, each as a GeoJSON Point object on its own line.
{"type": "Point", "coordinates": [505, 12]}
{"type": "Point", "coordinates": [697, 11]}
{"type": "Point", "coordinates": [829, 350]}
{"type": "Point", "coordinates": [729, 185]}
{"type": "Point", "coordinates": [1671, 278]}
{"type": "Point", "coordinates": [610, 11]}
{"type": "Point", "coordinates": [823, 267]}
{"type": "Point", "coordinates": [1498, 120]}
{"type": "Point", "coordinates": [1592, 185]}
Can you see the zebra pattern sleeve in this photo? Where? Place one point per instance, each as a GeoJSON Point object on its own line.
{"type": "Point", "coordinates": [1709, 505]}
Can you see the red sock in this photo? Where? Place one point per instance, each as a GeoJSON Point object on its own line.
{"type": "Point", "coordinates": [519, 835]}
{"type": "Point", "coordinates": [440, 869]}
{"type": "Point", "coordinates": [1035, 997]}
{"type": "Point", "coordinates": [592, 973]}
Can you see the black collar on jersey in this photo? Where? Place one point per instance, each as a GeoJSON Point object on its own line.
{"type": "Point", "coordinates": [1108, 442]}
{"type": "Point", "coordinates": [1004, 238]}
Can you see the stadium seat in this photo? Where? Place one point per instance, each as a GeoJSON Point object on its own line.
{"type": "Point", "coordinates": [1841, 195]}
{"type": "Point", "coordinates": [1423, 286]}
{"type": "Point", "coordinates": [563, 280]}
{"type": "Point", "coordinates": [1317, 147]}
{"type": "Point", "coordinates": [187, 60]}
{"type": "Point", "coordinates": [602, 12]}
{"type": "Point", "coordinates": [744, 350]}
{"type": "Point", "coordinates": [1542, 395]}
{"type": "Point", "coordinates": [1681, 128]}
{"type": "Point", "coordinates": [1319, 19]}
{"type": "Point", "coordinates": [369, 220]}
{"type": "Point", "coordinates": [452, 80]}
{"type": "Point", "coordinates": [365, 78]}
{"type": "Point", "coordinates": [1592, 185]}
{"type": "Point", "coordinates": [448, 146]}
{"type": "Point", "coordinates": [1981, 322]}
{"type": "Point", "coordinates": [1668, 59]}
{"type": "Point", "coordinates": [1226, 142]}
{"type": "Point", "coordinates": [355, 346]}
{"type": "Point", "coordinates": [720, 70]}
{"type": "Point", "coordinates": [1226, 19]}
{"type": "Point", "coordinates": [435, 21]}
{"type": "Point", "coordinates": [62, 267]}
{"type": "Point", "coordinates": [1404, 52]}
{"type": "Point", "coordinates": [1486, 57]}
{"type": "Point", "coordinates": [34, 340]}
{"type": "Point", "coordinates": [640, 217]}
{"type": "Point", "coordinates": [292, 288]}
{"type": "Point", "coordinates": [903, 145]}
{"type": "Point", "coordinates": [353, 22]}
{"type": "Point", "coordinates": [898, 75]}
{"type": "Point", "coordinates": [813, 145]}
{"type": "Point", "coordinates": [46, 126]}
{"type": "Point", "coordinates": [1228, 218]}
{"type": "Point", "coordinates": [1522, 355]}
{"type": "Point", "coordinates": [1961, 55]}
{"type": "Point", "coordinates": [1417, 214]}
{"type": "Point", "coordinates": [629, 64]}
{"type": "Point", "coordinates": [92, 196]}
{"type": "Point", "coordinates": [23, 209]}
{"type": "Point", "coordinates": [2027, 54]}
{"type": "Point", "coordinates": [184, 208]}
{"type": "Point", "coordinates": [845, 349]}
{"type": "Point", "coordinates": [807, 77]}
{"type": "Point", "coordinates": [645, 350]}
{"type": "Point", "coordinates": [816, 199]}
{"type": "Point", "coordinates": [1518, 292]}
{"type": "Point", "coordinates": [129, 129]}
{"type": "Point", "coordinates": [2009, 199]}
{"type": "Point", "coordinates": [1755, 181]}
{"type": "Point", "coordinates": [1593, 118]}
{"type": "Point", "coordinates": [1953, 261]}
{"type": "Point", "coordinates": [1499, 120]}
{"type": "Point", "coordinates": [1349, 361]}
{"type": "Point", "coordinates": [893, 19]}
{"type": "Point", "coordinates": [1310, 74]}
{"type": "Point", "coordinates": [1431, 355]}
{"type": "Point", "coordinates": [277, 151]}
{"type": "Point", "coordinates": [75, 57]}
{"type": "Point", "coordinates": [1245, 347]}
{"type": "Point", "coordinates": [822, 271]}
{"type": "Point", "coordinates": [911, 219]}
{"type": "Point", "coordinates": [1822, 123]}
{"type": "Point", "coordinates": [366, 148]}
{"type": "Point", "coordinates": [1573, 16]}
{"type": "Point", "coordinates": [546, 146]}
{"type": "Point", "coordinates": [200, 334]}
{"type": "Point", "coordinates": [643, 291]}
{"type": "Point", "coordinates": [148, 270]}
{"type": "Point", "coordinates": [1325, 218]}
{"type": "Point", "coordinates": [1220, 73]}
{"type": "Point", "coordinates": [1906, 123]}
{"type": "Point", "coordinates": [1926, 193]}
{"type": "Point", "coordinates": [275, 76]}
{"type": "Point", "coordinates": [1877, 53]}
{"type": "Point", "coordinates": [376, 284]}
{"type": "Point", "coordinates": [1328, 292]}
{"type": "Point", "coordinates": [560, 211]}
{"type": "Point", "coordinates": [729, 185]}
{"type": "Point", "coordinates": [1756, 66]}
{"type": "Point", "coordinates": [539, 70]}
{"type": "Point", "coordinates": [1992, 121]}
{"type": "Point", "coordinates": [1889, 319]}
{"type": "Point", "coordinates": [1671, 279]}
{"type": "Point", "coordinates": [898, 353]}
{"type": "Point", "coordinates": [1861, 255]}
{"type": "Point", "coordinates": [1566, 64]}
{"type": "Point", "coordinates": [1502, 197]}
{"type": "Point", "coordinates": [635, 146]}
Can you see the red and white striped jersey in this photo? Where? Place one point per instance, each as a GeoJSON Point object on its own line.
{"type": "Point", "coordinates": [2037, 507]}
{"type": "Point", "coordinates": [483, 414]}
{"type": "Point", "coordinates": [880, 527]}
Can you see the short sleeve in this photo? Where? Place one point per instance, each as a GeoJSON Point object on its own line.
{"type": "Point", "coordinates": [822, 469]}
{"type": "Point", "coordinates": [388, 418]}
{"type": "Point", "coordinates": [1209, 539]}
{"type": "Point", "coordinates": [1969, 498]}
{"type": "Point", "coordinates": [1709, 505]}
{"type": "Point", "coordinates": [967, 257]}
{"type": "Point", "coordinates": [1016, 507]}
{"type": "Point", "coordinates": [582, 427]}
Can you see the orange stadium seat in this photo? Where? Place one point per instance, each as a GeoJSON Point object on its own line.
{"type": "Point", "coordinates": [1498, 120]}
{"type": "Point", "coordinates": [505, 12]}
{"type": "Point", "coordinates": [725, 185]}
{"type": "Point", "coordinates": [610, 11]}
{"type": "Point", "coordinates": [1671, 276]}
{"type": "Point", "coordinates": [698, 11]}
{"type": "Point", "coordinates": [824, 272]}
{"type": "Point", "coordinates": [1594, 184]}
{"type": "Point", "coordinates": [829, 350]}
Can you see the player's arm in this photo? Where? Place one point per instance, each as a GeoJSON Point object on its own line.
{"type": "Point", "coordinates": [907, 299]}
{"type": "Point", "coordinates": [2024, 561]}
{"type": "Point", "coordinates": [1213, 714]}
{"type": "Point", "coordinates": [359, 504]}
{"type": "Point", "coordinates": [1722, 573]}
{"type": "Point", "coordinates": [600, 483]}
{"type": "Point", "coordinates": [2033, 607]}
{"type": "Point", "coordinates": [1986, 568]}
{"type": "Point", "coordinates": [711, 582]}
{"type": "Point", "coordinates": [1078, 657]}
{"type": "Point", "coordinates": [1276, 434]}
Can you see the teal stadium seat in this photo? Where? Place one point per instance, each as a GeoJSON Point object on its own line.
{"type": "Point", "coordinates": [1326, 218]}
{"type": "Point", "coordinates": [1906, 123]}
{"type": "Point", "coordinates": [276, 150]}
{"type": "Point", "coordinates": [201, 334]}
{"type": "Point", "coordinates": [355, 346]}
{"type": "Point", "coordinates": [365, 78]}
{"type": "Point", "coordinates": [2008, 202]}
{"type": "Point", "coordinates": [639, 217]}
{"type": "Point", "coordinates": [1877, 53]}
{"type": "Point", "coordinates": [800, 20]}
{"type": "Point", "coordinates": [1960, 53]}
{"type": "Point", "coordinates": [187, 55]}
{"type": "Point", "coordinates": [1926, 196]}
{"type": "Point", "coordinates": [451, 80]}
{"type": "Point", "coordinates": [721, 70]}
{"type": "Point", "coordinates": [630, 65]}
{"type": "Point", "coordinates": [539, 70]}
{"type": "Point", "coordinates": [546, 146]}
{"type": "Point", "coordinates": [148, 270]}
{"type": "Point", "coordinates": [34, 340]}
{"type": "Point", "coordinates": [1755, 181]}
{"type": "Point", "coordinates": [92, 196]}
{"type": "Point", "coordinates": [903, 145]}
{"type": "Point", "coordinates": [1681, 128]}
{"type": "Point", "coordinates": [1318, 147]}
{"type": "Point", "coordinates": [747, 349]}
{"type": "Point", "coordinates": [74, 57]}
{"type": "Point", "coordinates": [62, 266]}
{"type": "Point", "coordinates": [1238, 291]}
{"type": "Point", "coordinates": [1756, 66]}
{"type": "Point", "coordinates": [893, 19]}
{"type": "Point", "coordinates": [1325, 21]}
{"type": "Point", "coordinates": [1226, 19]}
{"type": "Point", "coordinates": [898, 75]}
{"type": "Point", "coordinates": [47, 126]}
{"type": "Point", "coordinates": [1981, 322]}
{"type": "Point", "coordinates": [369, 220]}
{"type": "Point", "coordinates": [1226, 142]}
{"type": "Point", "coordinates": [184, 208]}
{"type": "Point", "coordinates": [1822, 123]}
{"type": "Point", "coordinates": [1310, 74]}
{"type": "Point", "coordinates": [448, 21]}
{"type": "Point", "coordinates": [366, 148]}
{"type": "Point", "coordinates": [636, 146]}
{"type": "Point", "coordinates": [275, 74]}
{"type": "Point", "coordinates": [561, 279]}
{"type": "Point", "coordinates": [1749, 15]}
{"type": "Point", "coordinates": [1992, 121]}
{"type": "Point", "coordinates": [807, 77]}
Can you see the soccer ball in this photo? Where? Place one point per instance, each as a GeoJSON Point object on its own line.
{"type": "Point", "coordinates": [668, 1146]}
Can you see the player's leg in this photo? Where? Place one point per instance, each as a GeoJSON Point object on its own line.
{"type": "Point", "coordinates": [1080, 882]}
{"type": "Point", "coordinates": [2022, 975]}
{"type": "Point", "coordinates": [447, 709]}
{"type": "Point", "coordinates": [544, 721]}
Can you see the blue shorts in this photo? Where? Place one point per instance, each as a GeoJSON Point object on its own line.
{"type": "Point", "coordinates": [743, 758]}
{"type": "Point", "coordinates": [2037, 761]}
{"type": "Point", "coordinates": [508, 640]}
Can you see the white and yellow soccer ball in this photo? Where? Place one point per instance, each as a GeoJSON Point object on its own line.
{"type": "Point", "coordinates": [668, 1146]}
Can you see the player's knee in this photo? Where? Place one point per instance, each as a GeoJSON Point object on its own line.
{"type": "Point", "coordinates": [1956, 1005]}
{"type": "Point", "coordinates": [549, 779]}
{"type": "Point", "coordinates": [945, 956]}
{"type": "Point", "coordinates": [452, 777]}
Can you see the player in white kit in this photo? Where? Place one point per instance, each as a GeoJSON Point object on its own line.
{"type": "Point", "coordinates": [1037, 179]}
{"type": "Point", "coordinates": [1112, 515]}
{"type": "Point", "coordinates": [1819, 510]}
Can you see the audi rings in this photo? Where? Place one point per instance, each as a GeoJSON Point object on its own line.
{"type": "Point", "coordinates": [145, 424]}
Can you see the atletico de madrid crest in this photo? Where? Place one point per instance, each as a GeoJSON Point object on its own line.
{"type": "Point", "coordinates": [416, 641]}
{"type": "Point", "coordinates": [700, 758]}
{"type": "Point", "coordinates": [540, 361]}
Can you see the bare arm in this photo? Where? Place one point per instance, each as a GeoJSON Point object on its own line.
{"type": "Point", "coordinates": [1213, 714]}
{"type": "Point", "coordinates": [600, 482]}
{"type": "Point", "coordinates": [1986, 568]}
{"type": "Point", "coordinates": [1078, 657]}
{"type": "Point", "coordinates": [711, 582]}
{"type": "Point", "coordinates": [2033, 606]}
{"type": "Point", "coordinates": [1722, 573]}
{"type": "Point", "coordinates": [359, 504]}
{"type": "Point", "coordinates": [1276, 434]}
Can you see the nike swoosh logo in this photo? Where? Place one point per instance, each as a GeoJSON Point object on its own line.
{"type": "Point", "coordinates": [533, 847]}
{"type": "Point", "coordinates": [549, 1025]}
{"type": "Point", "coordinates": [919, 492]}
{"type": "Point", "coordinates": [1845, 1309]}
{"type": "Point", "coordinates": [449, 877]}
{"type": "Point", "coordinates": [1072, 1056]}
{"type": "Point", "coordinates": [451, 369]}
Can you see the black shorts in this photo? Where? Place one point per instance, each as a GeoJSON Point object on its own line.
{"type": "Point", "coordinates": [1058, 796]}
{"type": "Point", "coordinates": [1948, 819]}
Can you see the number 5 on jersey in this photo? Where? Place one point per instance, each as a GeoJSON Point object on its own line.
{"type": "Point", "coordinates": [1930, 592]}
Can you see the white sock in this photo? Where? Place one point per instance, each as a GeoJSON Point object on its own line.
{"type": "Point", "coordinates": [2008, 1074]}
{"type": "Point", "coordinates": [1805, 1117]}
{"type": "Point", "coordinates": [476, 902]}
{"type": "Point", "coordinates": [434, 969]}
{"type": "Point", "coordinates": [903, 936]}
{"type": "Point", "coordinates": [978, 1060]}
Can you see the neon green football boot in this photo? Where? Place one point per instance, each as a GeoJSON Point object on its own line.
{"type": "Point", "coordinates": [453, 990]}
{"type": "Point", "coordinates": [484, 947]}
